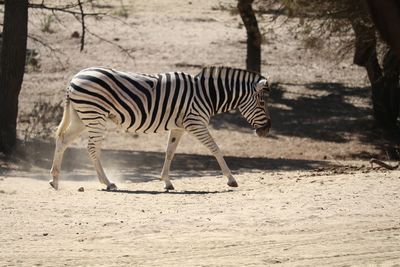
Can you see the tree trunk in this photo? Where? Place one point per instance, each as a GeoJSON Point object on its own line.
{"type": "Point", "coordinates": [385, 100]}
{"type": "Point", "coordinates": [386, 16]}
{"type": "Point", "coordinates": [12, 62]}
{"type": "Point", "coordinates": [253, 60]}
{"type": "Point", "coordinates": [391, 90]}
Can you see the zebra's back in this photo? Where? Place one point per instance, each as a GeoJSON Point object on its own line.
{"type": "Point", "coordinates": [136, 102]}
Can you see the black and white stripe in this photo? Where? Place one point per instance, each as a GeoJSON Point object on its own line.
{"type": "Point", "coordinates": [137, 102]}
{"type": "Point", "coordinates": [174, 102]}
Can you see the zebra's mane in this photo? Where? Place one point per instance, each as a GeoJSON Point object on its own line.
{"type": "Point", "coordinates": [219, 69]}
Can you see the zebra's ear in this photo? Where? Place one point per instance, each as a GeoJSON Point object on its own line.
{"type": "Point", "coordinates": [263, 86]}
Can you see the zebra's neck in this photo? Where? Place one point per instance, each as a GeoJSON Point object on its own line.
{"type": "Point", "coordinates": [223, 89]}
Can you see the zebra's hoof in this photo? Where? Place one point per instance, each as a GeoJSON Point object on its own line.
{"type": "Point", "coordinates": [53, 184]}
{"type": "Point", "coordinates": [232, 184]}
{"type": "Point", "coordinates": [169, 187]}
{"type": "Point", "coordinates": [111, 187]}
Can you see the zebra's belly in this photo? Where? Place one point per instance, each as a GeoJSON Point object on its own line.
{"type": "Point", "coordinates": [153, 124]}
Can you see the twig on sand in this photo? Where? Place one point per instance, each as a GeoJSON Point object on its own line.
{"type": "Point", "coordinates": [382, 164]}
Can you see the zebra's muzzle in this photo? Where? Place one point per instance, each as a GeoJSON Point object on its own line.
{"type": "Point", "coordinates": [263, 130]}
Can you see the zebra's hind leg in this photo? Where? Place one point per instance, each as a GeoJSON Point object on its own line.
{"type": "Point", "coordinates": [173, 141]}
{"type": "Point", "coordinates": [63, 140]}
{"type": "Point", "coordinates": [96, 136]}
{"type": "Point", "coordinates": [203, 135]}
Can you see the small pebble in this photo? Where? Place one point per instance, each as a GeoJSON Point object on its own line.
{"type": "Point", "coordinates": [81, 189]}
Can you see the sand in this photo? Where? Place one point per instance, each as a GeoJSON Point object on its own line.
{"type": "Point", "coordinates": [290, 218]}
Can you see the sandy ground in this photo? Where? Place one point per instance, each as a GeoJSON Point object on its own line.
{"type": "Point", "coordinates": [289, 218]}
{"type": "Point", "coordinates": [307, 194]}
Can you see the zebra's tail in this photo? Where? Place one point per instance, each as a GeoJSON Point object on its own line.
{"type": "Point", "coordinates": [65, 121]}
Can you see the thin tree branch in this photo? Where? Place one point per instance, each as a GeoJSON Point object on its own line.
{"type": "Point", "coordinates": [49, 47]}
{"type": "Point", "coordinates": [83, 25]}
{"type": "Point", "coordinates": [80, 16]}
{"type": "Point", "coordinates": [65, 9]}
{"type": "Point", "coordinates": [126, 51]}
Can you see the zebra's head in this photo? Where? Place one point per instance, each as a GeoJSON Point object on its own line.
{"type": "Point", "coordinates": [254, 108]}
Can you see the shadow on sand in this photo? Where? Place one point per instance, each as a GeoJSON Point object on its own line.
{"type": "Point", "coordinates": [149, 192]}
{"type": "Point", "coordinates": [322, 114]}
{"type": "Point", "coordinates": [140, 166]}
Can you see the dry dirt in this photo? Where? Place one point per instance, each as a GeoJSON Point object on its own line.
{"type": "Point", "coordinates": [307, 195]}
{"type": "Point", "coordinates": [290, 218]}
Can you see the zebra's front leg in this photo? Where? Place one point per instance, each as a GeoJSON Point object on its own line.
{"type": "Point", "coordinates": [203, 135]}
{"type": "Point", "coordinates": [173, 141]}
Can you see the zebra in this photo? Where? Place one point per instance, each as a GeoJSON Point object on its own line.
{"type": "Point", "coordinates": [143, 103]}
